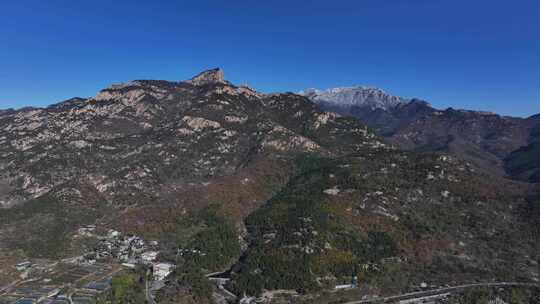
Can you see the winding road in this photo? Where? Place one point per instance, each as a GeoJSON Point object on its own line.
{"type": "Point", "coordinates": [441, 291]}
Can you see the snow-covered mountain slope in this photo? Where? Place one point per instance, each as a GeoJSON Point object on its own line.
{"type": "Point", "coordinates": [357, 96]}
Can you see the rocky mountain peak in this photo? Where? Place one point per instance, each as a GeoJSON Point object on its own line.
{"type": "Point", "coordinates": [207, 77]}
{"type": "Point", "coordinates": [357, 96]}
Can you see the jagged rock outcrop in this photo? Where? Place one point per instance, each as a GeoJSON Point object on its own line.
{"type": "Point", "coordinates": [208, 77]}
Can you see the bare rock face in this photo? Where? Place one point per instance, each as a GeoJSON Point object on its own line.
{"type": "Point", "coordinates": [183, 132]}
{"type": "Point", "coordinates": [208, 77]}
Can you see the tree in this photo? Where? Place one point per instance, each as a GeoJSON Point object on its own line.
{"type": "Point", "coordinates": [128, 288]}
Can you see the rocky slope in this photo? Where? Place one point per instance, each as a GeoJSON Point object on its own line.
{"type": "Point", "coordinates": [486, 139]}
{"type": "Point", "coordinates": [135, 136]}
{"type": "Point", "coordinates": [524, 163]}
{"type": "Point", "coordinates": [144, 142]}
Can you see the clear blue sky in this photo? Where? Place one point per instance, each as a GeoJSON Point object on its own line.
{"type": "Point", "coordinates": [475, 54]}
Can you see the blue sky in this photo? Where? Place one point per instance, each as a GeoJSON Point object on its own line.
{"type": "Point", "coordinates": [466, 54]}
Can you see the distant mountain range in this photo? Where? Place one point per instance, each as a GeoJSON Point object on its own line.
{"type": "Point", "coordinates": [499, 144]}
{"type": "Point", "coordinates": [351, 97]}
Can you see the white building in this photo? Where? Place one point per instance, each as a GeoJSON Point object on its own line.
{"type": "Point", "coordinates": [162, 270]}
{"type": "Point", "coordinates": [87, 231]}
{"type": "Point", "coordinates": [23, 266]}
{"type": "Point", "coordinates": [149, 256]}
{"type": "Point", "coordinates": [344, 286]}
{"type": "Point", "coordinates": [113, 233]}
{"type": "Point", "coordinates": [129, 265]}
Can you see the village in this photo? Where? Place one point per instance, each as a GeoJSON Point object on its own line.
{"type": "Point", "coordinates": [82, 279]}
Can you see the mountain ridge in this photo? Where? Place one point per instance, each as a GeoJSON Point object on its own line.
{"type": "Point", "coordinates": [484, 138]}
{"type": "Point", "coordinates": [361, 96]}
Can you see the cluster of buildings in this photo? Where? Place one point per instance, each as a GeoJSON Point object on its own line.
{"type": "Point", "coordinates": [109, 249]}
{"type": "Point", "coordinates": [129, 250]}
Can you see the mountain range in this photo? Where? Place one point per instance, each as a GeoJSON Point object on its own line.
{"type": "Point", "coordinates": [499, 144]}
{"type": "Point", "coordinates": [272, 189]}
